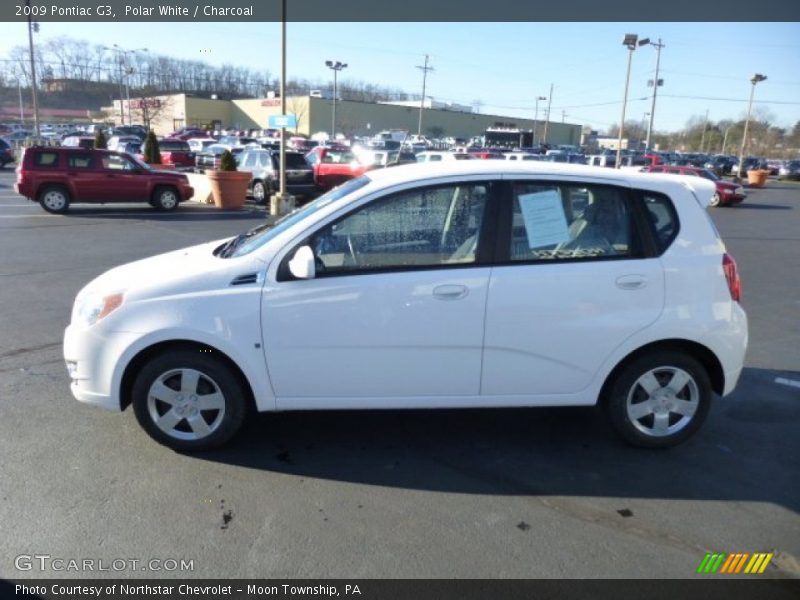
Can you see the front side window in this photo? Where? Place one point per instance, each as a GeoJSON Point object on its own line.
{"type": "Point", "coordinates": [571, 221]}
{"type": "Point", "coordinates": [426, 227]}
{"type": "Point", "coordinates": [117, 162]}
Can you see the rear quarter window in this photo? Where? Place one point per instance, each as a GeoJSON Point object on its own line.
{"type": "Point", "coordinates": [662, 217]}
{"type": "Point", "coordinates": [45, 160]}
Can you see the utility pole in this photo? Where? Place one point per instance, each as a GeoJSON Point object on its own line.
{"type": "Point", "coordinates": [21, 110]}
{"type": "Point", "coordinates": [536, 116]}
{"type": "Point", "coordinates": [656, 82]}
{"type": "Point", "coordinates": [563, 115]}
{"type": "Point", "coordinates": [725, 140]}
{"type": "Point", "coordinates": [547, 120]}
{"type": "Point", "coordinates": [33, 70]}
{"type": "Point", "coordinates": [703, 137]}
{"type": "Point", "coordinates": [424, 70]}
{"type": "Point", "coordinates": [282, 162]}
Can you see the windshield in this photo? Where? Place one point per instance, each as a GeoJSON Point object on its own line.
{"type": "Point", "coordinates": [259, 236]}
{"type": "Point", "coordinates": [139, 162]}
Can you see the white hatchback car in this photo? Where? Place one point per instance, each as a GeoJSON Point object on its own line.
{"type": "Point", "coordinates": [467, 284]}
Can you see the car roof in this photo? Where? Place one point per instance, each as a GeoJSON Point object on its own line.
{"type": "Point", "coordinates": [493, 169]}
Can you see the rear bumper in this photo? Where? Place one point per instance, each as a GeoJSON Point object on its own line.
{"type": "Point", "coordinates": [187, 192]}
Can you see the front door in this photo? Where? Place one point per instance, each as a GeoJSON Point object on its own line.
{"type": "Point", "coordinates": [573, 285]}
{"type": "Point", "coordinates": [395, 314]}
{"type": "Point", "coordinates": [125, 180]}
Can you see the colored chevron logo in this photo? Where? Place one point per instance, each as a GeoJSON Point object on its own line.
{"type": "Point", "coordinates": [736, 563]}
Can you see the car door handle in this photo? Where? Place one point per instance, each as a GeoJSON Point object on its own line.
{"type": "Point", "coordinates": [631, 282]}
{"type": "Point", "coordinates": [450, 291]}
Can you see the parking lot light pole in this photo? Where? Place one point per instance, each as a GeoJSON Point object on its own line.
{"type": "Point", "coordinates": [425, 68]}
{"type": "Point", "coordinates": [21, 110]}
{"type": "Point", "coordinates": [336, 66]}
{"type": "Point", "coordinates": [536, 116]}
{"type": "Point", "coordinates": [630, 41]}
{"type": "Point", "coordinates": [757, 78]}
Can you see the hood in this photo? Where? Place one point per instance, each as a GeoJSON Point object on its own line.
{"type": "Point", "coordinates": [179, 271]}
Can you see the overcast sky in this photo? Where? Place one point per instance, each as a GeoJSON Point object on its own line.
{"type": "Point", "coordinates": [706, 66]}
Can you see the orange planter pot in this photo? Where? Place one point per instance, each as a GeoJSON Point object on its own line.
{"type": "Point", "coordinates": [228, 188]}
{"type": "Point", "coordinates": [757, 178]}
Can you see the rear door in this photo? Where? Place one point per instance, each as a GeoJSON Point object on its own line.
{"type": "Point", "coordinates": [571, 284]}
{"type": "Point", "coordinates": [86, 179]}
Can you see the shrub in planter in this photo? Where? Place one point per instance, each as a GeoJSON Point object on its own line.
{"type": "Point", "coordinates": [228, 185]}
{"type": "Point", "coordinates": [100, 142]}
{"type": "Point", "coordinates": [152, 153]}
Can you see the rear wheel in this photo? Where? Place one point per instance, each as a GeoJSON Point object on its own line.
{"type": "Point", "coordinates": [660, 399]}
{"type": "Point", "coordinates": [165, 198]}
{"type": "Point", "coordinates": [54, 199]}
{"type": "Point", "coordinates": [189, 400]}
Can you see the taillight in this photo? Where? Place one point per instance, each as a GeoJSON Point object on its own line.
{"type": "Point", "coordinates": [732, 276]}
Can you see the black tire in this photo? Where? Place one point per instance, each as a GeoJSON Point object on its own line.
{"type": "Point", "coordinates": [260, 192]}
{"type": "Point", "coordinates": [165, 198]}
{"type": "Point", "coordinates": [215, 378]}
{"type": "Point", "coordinates": [663, 365]}
{"type": "Point", "coordinates": [54, 199]}
{"type": "Point", "coordinates": [716, 200]}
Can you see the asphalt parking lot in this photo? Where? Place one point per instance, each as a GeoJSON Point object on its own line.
{"type": "Point", "coordinates": [493, 493]}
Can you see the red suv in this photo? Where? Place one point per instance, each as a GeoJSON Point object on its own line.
{"type": "Point", "coordinates": [726, 194]}
{"type": "Point", "coordinates": [56, 177]}
{"type": "Point", "coordinates": [176, 153]}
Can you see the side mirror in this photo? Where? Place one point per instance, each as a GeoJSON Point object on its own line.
{"type": "Point", "coordinates": [302, 264]}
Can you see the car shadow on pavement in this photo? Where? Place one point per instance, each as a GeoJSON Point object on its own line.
{"type": "Point", "coordinates": [754, 206]}
{"type": "Point", "coordinates": [747, 450]}
{"type": "Point", "coordinates": [197, 212]}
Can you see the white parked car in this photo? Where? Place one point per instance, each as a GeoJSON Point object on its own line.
{"type": "Point", "coordinates": [436, 156]}
{"type": "Point", "coordinates": [467, 284]}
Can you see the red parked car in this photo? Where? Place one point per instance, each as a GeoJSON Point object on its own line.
{"type": "Point", "coordinates": [176, 153]}
{"type": "Point", "coordinates": [727, 193]}
{"type": "Point", "coordinates": [57, 177]}
{"type": "Point", "coordinates": [333, 166]}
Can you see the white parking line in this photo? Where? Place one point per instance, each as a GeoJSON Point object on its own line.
{"type": "Point", "coordinates": [789, 382]}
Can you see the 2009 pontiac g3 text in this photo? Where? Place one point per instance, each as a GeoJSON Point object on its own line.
{"type": "Point", "coordinates": [47, 562]}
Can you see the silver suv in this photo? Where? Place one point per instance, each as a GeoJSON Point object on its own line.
{"type": "Point", "coordinates": [263, 167]}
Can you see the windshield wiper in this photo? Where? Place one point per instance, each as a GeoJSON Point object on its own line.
{"type": "Point", "coordinates": [230, 246]}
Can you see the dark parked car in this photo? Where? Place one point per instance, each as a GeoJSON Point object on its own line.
{"type": "Point", "coordinates": [720, 164]}
{"type": "Point", "coordinates": [264, 167]}
{"type": "Point", "coordinates": [790, 170]}
{"type": "Point", "coordinates": [57, 177]}
{"type": "Point", "coordinates": [751, 163]}
{"type": "Point", "coordinates": [211, 157]}
{"type": "Point", "coordinates": [6, 153]}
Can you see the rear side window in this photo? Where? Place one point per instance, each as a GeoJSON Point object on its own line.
{"type": "Point", "coordinates": [663, 219]}
{"type": "Point", "coordinates": [296, 161]}
{"type": "Point", "coordinates": [45, 159]}
{"type": "Point", "coordinates": [568, 222]}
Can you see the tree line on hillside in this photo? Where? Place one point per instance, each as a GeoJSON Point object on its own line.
{"type": "Point", "coordinates": [764, 138]}
{"type": "Point", "coordinates": [146, 73]}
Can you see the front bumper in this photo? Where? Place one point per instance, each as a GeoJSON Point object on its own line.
{"type": "Point", "coordinates": [93, 357]}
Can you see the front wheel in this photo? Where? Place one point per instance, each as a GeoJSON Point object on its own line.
{"type": "Point", "coordinates": [259, 192]}
{"type": "Point", "coordinates": [165, 198]}
{"type": "Point", "coordinates": [715, 201]}
{"type": "Point", "coordinates": [660, 400]}
{"type": "Point", "coordinates": [189, 401]}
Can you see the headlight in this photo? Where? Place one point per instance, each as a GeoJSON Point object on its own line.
{"type": "Point", "coordinates": [740, 191]}
{"type": "Point", "coordinates": [94, 307]}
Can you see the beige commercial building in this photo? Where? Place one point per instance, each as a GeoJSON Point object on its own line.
{"type": "Point", "coordinates": [168, 113]}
